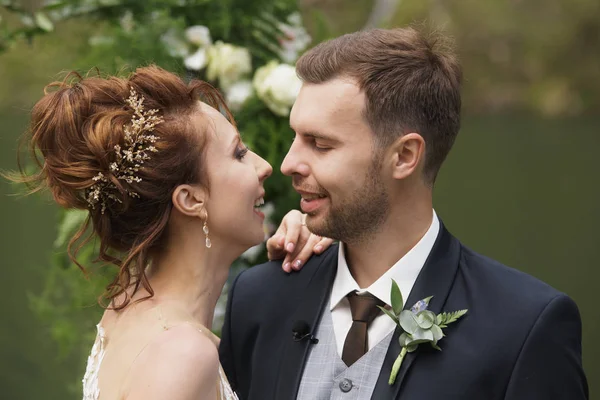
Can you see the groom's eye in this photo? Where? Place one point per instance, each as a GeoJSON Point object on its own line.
{"type": "Point", "coordinates": [320, 146]}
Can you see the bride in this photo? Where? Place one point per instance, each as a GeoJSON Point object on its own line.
{"type": "Point", "coordinates": [173, 198]}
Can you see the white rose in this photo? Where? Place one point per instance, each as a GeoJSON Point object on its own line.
{"type": "Point", "coordinates": [196, 61]}
{"type": "Point", "coordinates": [175, 46]}
{"type": "Point", "coordinates": [227, 63]}
{"type": "Point", "coordinates": [238, 93]}
{"type": "Point", "coordinates": [278, 86]}
{"type": "Point", "coordinates": [198, 35]}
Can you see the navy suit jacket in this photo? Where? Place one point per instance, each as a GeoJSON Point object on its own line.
{"type": "Point", "coordinates": [520, 340]}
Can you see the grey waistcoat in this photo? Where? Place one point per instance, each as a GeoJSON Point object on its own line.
{"type": "Point", "coordinates": [326, 376]}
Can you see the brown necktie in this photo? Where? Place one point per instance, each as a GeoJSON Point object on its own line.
{"type": "Point", "coordinates": [364, 310]}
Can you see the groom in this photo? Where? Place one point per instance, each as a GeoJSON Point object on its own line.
{"type": "Point", "coordinates": [376, 116]}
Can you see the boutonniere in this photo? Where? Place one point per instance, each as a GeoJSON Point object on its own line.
{"type": "Point", "coordinates": [419, 325]}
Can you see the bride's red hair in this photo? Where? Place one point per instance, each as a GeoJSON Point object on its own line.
{"type": "Point", "coordinates": [72, 135]}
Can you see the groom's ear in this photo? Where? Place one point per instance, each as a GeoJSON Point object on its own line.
{"type": "Point", "coordinates": [408, 155]}
{"type": "Point", "coordinates": [189, 200]}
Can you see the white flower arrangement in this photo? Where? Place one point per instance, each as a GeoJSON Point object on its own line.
{"type": "Point", "coordinates": [237, 94]}
{"type": "Point", "coordinates": [227, 63]}
{"type": "Point", "coordinates": [275, 83]}
{"type": "Point", "coordinates": [198, 35]}
{"type": "Point", "coordinates": [278, 86]}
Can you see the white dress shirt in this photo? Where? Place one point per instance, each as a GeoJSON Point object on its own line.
{"type": "Point", "coordinates": [404, 272]}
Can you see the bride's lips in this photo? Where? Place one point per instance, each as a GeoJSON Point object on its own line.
{"type": "Point", "coordinates": [259, 202]}
{"type": "Point", "coordinates": [259, 213]}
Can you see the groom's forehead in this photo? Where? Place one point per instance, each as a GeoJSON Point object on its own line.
{"type": "Point", "coordinates": [337, 100]}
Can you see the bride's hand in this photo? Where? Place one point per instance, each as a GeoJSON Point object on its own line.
{"type": "Point", "coordinates": [295, 242]}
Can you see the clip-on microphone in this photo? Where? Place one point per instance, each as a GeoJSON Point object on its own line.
{"type": "Point", "coordinates": [301, 331]}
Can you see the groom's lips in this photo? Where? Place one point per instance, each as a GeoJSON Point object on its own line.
{"type": "Point", "coordinates": [311, 201]}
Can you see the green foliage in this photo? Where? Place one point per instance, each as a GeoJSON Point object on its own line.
{"type": "Point", "coordinates": [396, 296]}
{"type": "Point", "coordinates": [444, 319]}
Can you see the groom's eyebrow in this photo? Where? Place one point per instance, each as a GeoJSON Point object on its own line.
{"type": "Point", "coordinates": [313, 135]}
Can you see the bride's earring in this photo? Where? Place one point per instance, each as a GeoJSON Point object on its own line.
{"type": "Point", "coordinates": [205, 230]}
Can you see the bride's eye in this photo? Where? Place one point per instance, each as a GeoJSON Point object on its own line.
{"type": "Point", "coordinates": [240, 152]}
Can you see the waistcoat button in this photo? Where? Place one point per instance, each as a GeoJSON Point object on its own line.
{"type": "Point", "coordinates": [345, 385]}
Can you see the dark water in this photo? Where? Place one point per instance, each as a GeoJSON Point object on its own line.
{"type": "Point", "coordinates": [522, 190]}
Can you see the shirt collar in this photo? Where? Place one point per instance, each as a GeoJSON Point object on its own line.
{"type": "Point", "coordinates": [405, 271]}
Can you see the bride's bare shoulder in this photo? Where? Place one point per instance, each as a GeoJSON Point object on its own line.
{"type": "Point", "coordinates": [180, 363]}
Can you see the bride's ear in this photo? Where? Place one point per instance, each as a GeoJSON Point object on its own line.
{"type": "Point", "coordinates": [189, 200]}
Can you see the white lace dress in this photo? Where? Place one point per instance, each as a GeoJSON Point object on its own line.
{"type": "Point", "coordinates": [90, 379]}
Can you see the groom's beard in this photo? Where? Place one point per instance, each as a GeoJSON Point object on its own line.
{"type": "Point", "coordinates": [355, 218]}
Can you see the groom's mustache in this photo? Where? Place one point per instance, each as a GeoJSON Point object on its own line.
{"type": "Point", "coordinates": [300, 185]}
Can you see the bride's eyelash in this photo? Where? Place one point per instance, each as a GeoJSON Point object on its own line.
{"type": "Point", "coordinates": [240, 152]}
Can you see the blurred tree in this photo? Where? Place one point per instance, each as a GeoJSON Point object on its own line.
{"type": "Point", "coordinates": [538, 56]}
{"type": "Point", "coordinates": [534, 56]}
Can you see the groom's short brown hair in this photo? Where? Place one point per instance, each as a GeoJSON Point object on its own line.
{"type": "Point", "coordinates": [411, 82]}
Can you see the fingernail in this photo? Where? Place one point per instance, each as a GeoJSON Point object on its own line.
{"type": "Point", "coordinates": [297, 264]}
{"type": "Point", "coordinates": [286, 267]}
{"type": "Point", "coordinates": [318, 248]}
{"type": "Point", "coordinates": [289, 247]}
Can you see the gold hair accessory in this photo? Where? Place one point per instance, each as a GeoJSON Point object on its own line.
{"type": "Point", "coordinates": [128, 160]}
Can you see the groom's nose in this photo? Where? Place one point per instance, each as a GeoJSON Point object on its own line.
{"type": "Point", "coordinates": [294, 162]}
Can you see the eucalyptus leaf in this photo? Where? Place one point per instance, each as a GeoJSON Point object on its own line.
{"type": "Point", "coordinates": [405, 339]}
{"type": "Point", "coordinates": [426, 319]}
{"type": "Point", "coordinates": [397, 301]}
{"type": "Point", "coordinates": [408, 322]}
{"type": "Point", "coordinates": [416, 342]}
{"type": "Point", "coordinates": [437, 333]}
{"type": "Point", "coordinates": [411, 348]}
{"type": "Point", "coordinates": [423, 334]}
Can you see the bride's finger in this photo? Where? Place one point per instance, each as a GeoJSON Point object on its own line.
{"type": "Point", "coordinates": [286, 265]}
{"type": "Point", "coordinates": [305, 252]}
{"type": "Point", "coordinates": [275, 250]}
{"type": "Point", "coordinates": [295, 225]}
{"type": "Point", "coordinates": [322, 245]}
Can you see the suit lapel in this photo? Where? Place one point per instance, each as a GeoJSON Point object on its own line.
{"type": "Point", "coordinates": [314, 296]}
{"type": "Point", "coordinates": [436, 280]}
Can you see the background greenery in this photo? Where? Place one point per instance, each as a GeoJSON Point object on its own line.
{"type": "Point", "coordinates": [520, 185]}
